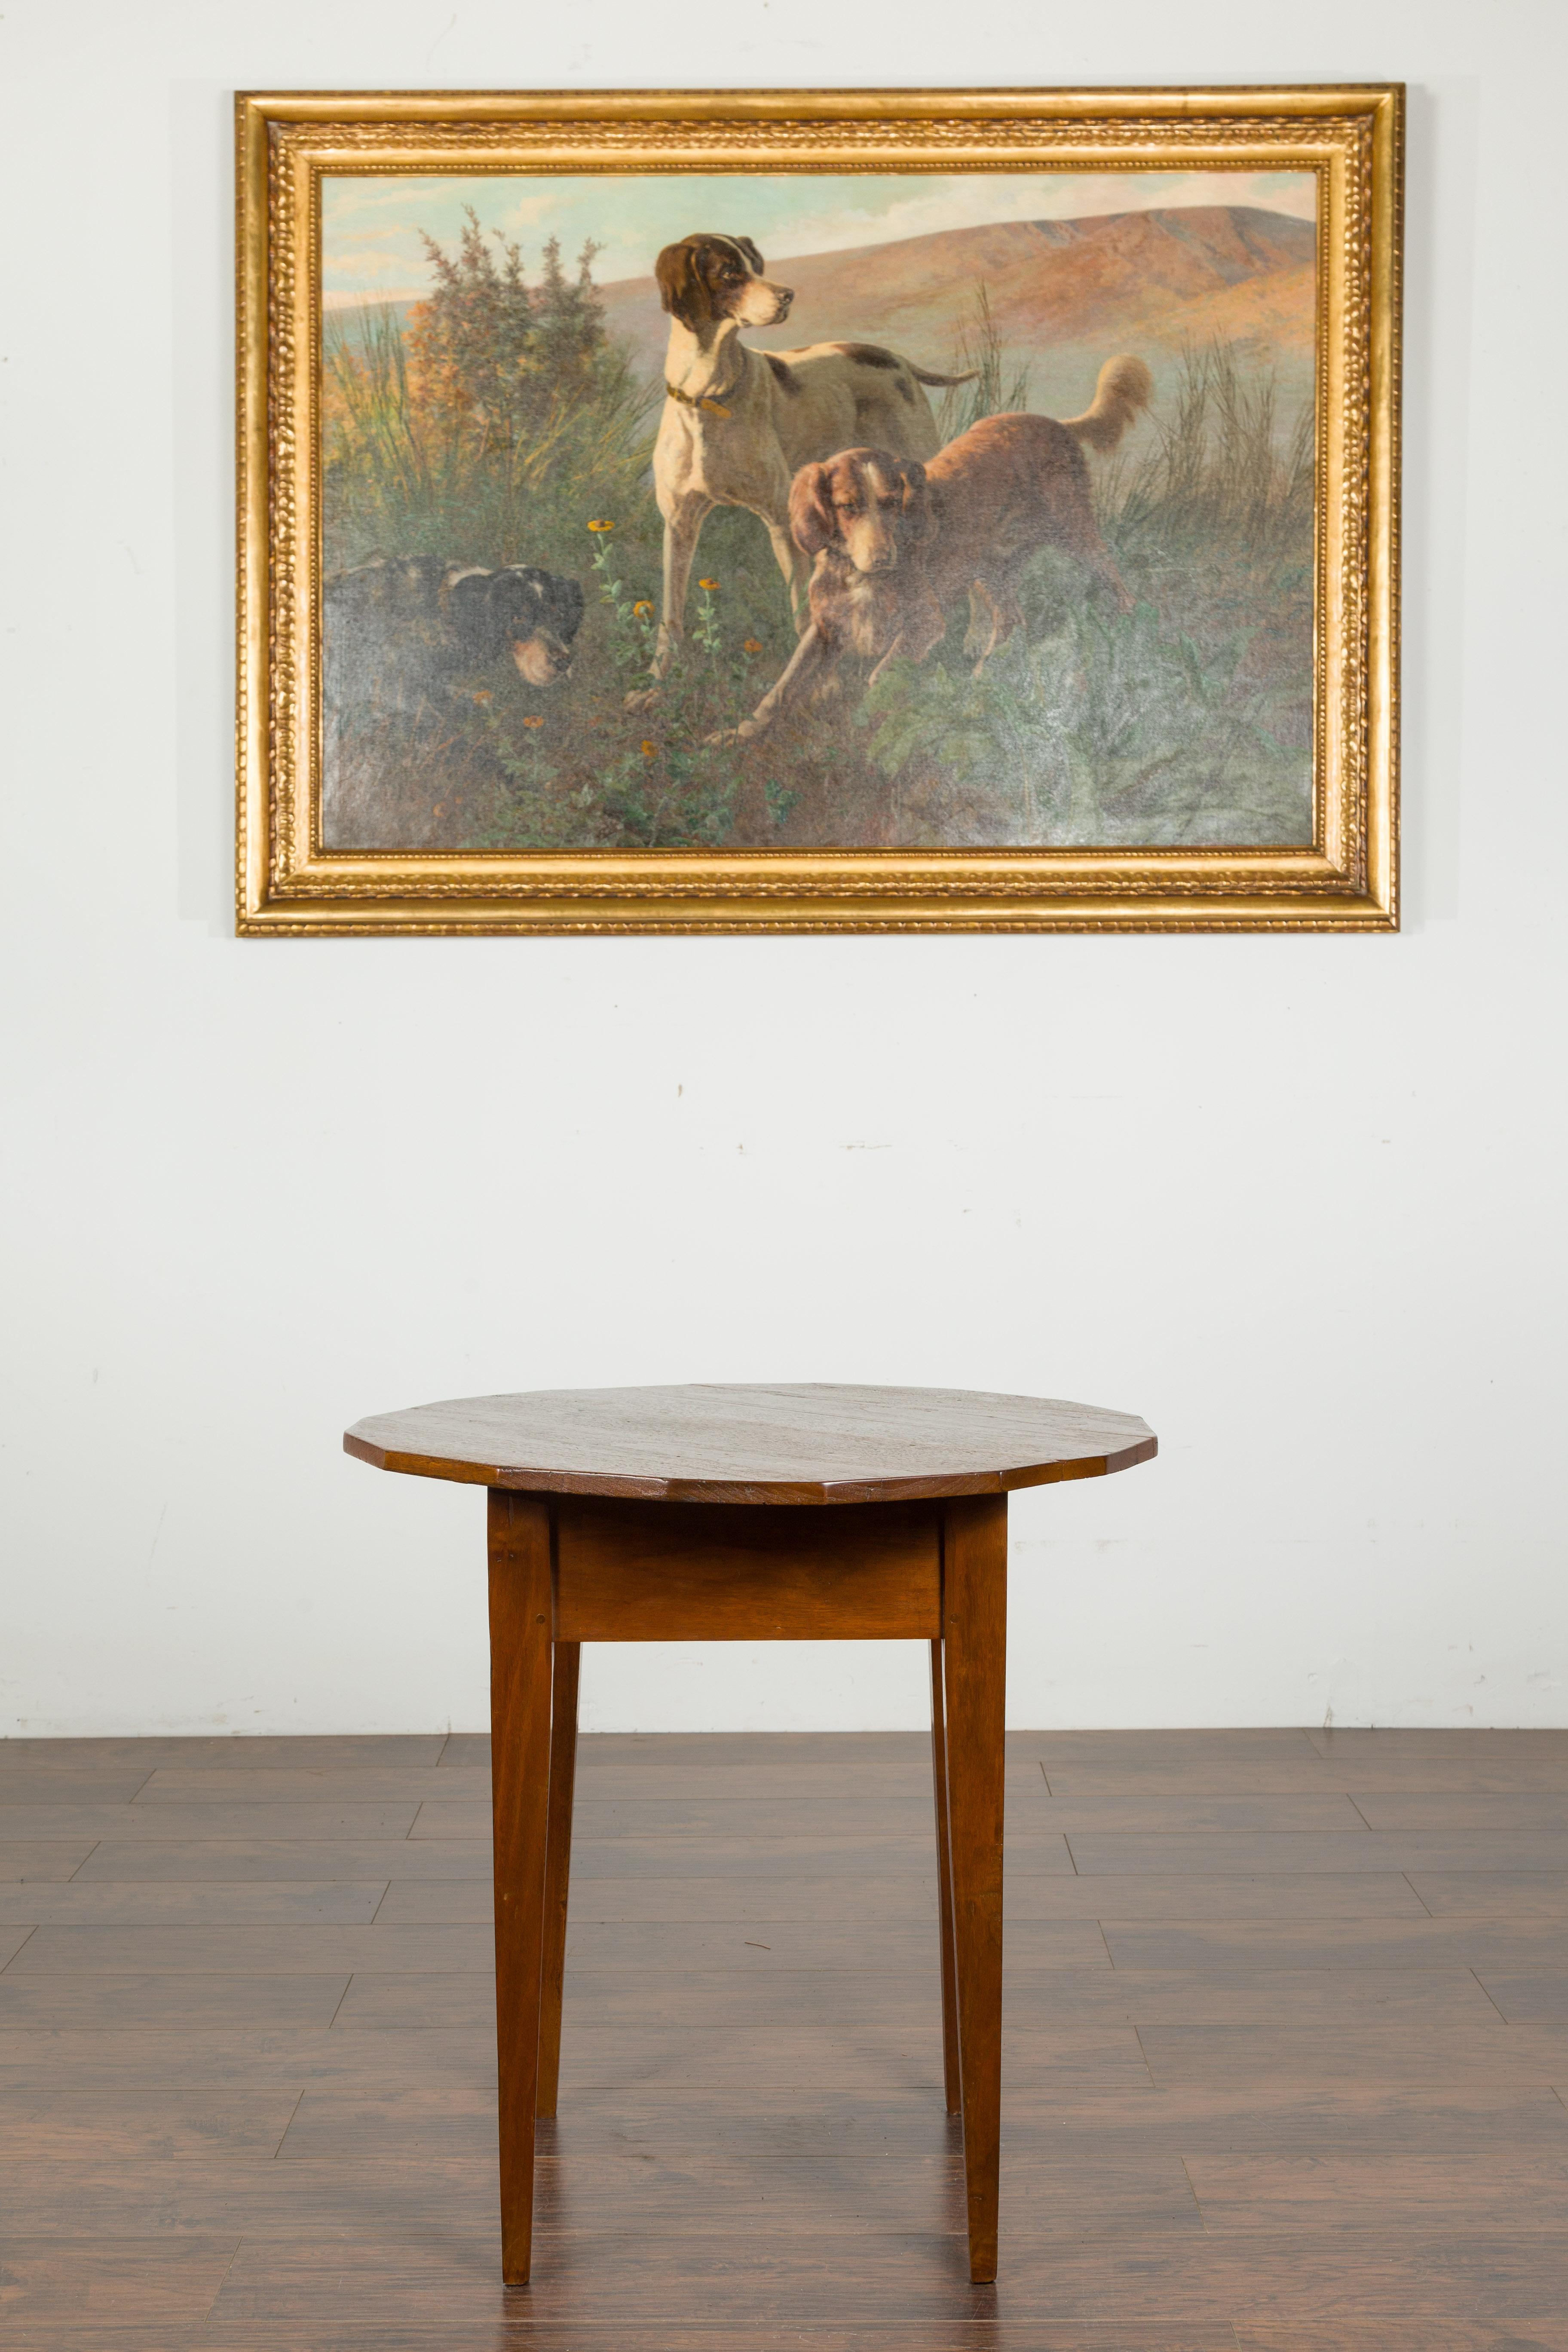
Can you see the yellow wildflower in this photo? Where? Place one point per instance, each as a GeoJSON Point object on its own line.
{"type": "Point", "coordinates": [751, 645]}
{"type": "Point", "coordinates": [643, 610]}
{"type": "Point", "coordinates": [649, 751]}
{"type": "Point", "coordinates": [533, 721]}
{"type": "Point", "coordinates": [708, 583]}
{"type": "Point", "coordinates": [601, 526]}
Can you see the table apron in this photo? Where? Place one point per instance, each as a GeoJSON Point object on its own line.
{"type": "Point", "coordinates": [632, 1571]}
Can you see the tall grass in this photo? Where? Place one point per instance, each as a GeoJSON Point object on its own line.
{"type": "Point", "coordinates": [402, 476]}
{"type": "Point", "coordinates": [1217, 473]}
{"type": "Point", "coordinates": [1188, 719]}
{"type": "Point", "coordinates": [978, 345]}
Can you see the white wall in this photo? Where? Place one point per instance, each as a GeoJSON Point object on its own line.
{"type": "Point", "coordinates": [1298, 1201]}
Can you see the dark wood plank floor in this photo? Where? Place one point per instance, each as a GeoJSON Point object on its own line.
{"type": "Point", "coordinates": [1286, 2049]}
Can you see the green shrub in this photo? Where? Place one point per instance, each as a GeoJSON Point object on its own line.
{"type": "Point", "coordinates": [491, 427]}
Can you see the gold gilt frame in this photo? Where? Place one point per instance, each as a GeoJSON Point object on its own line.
{"type": "Point", "coordinates": [1351, 137]}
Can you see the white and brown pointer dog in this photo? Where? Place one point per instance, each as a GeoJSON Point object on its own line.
{"type": "Point", "coordinates": [739, 423]}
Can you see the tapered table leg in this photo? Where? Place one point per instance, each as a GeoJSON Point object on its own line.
{"type": "Point", "coordinates": [522, 1627]}
{"type": "Point", "coordinates": [950, 2073]}
{"type": "Point", "coordinates": [975, 1666]}
{"type": "Point", "coordinates": [557, 1865]}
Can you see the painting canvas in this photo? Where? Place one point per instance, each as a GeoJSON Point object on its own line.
{"type": "Point", "coordinates": [496, 362]}
{"type": "Point", "coordinates": [785, 513]}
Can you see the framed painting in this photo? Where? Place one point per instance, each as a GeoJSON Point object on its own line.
{"type": "Point", "coordinates": [942, 511]}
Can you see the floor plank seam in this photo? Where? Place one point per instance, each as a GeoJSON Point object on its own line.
{"type": "Point", "coordinates": [1476, 1974]}
{"type": "Point", "coordinates": [20, 1949]}
{"type": "Point", "coordinates": [1416, 1892]}
{"type": "Point", "coordinates": [86, 1857]}
{"type": "Point", "coordinates": [1197, 2201]}
{"type": "Point", "coordinates": [206, 2320]}
{"type": "Point", "coordinates": [292, 2113]}
{"type": "Point", "coordinates": [1355, 1809]}
{"type": "Point", "coordinates": [1138, 2037]}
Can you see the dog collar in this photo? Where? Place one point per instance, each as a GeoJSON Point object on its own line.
{"type": "Point", "coordinates": [698, 400]}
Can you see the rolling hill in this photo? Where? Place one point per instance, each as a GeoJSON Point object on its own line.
{"type": "Point", "coordinates": [1065, 294]}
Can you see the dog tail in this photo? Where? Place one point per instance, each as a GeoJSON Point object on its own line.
{"type": "Point", "coordinates": [1125, 386]}
{"type": "Point", "coordinates": [925, 376]}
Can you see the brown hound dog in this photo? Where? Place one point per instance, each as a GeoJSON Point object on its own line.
{"type": "Point", "coordinates": [737, 424]}
{"type": "Point", "coordinates": [896, 541]}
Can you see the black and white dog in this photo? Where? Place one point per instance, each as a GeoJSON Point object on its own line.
{"type": "Point", "coordinates": [403, 631]}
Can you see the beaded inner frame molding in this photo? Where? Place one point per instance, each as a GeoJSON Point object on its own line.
{"type": "Point", "coordinates": [288, 883]}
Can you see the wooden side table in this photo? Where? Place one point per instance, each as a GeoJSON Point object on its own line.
{"type": "Point", "coordinates": [746, 1515]}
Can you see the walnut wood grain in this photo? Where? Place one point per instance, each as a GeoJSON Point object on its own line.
{"type": "Point", "coordinates": [975, 1673]}
{"type": "Point", "coordinates": [950, 2076]}
{"type": "Point", "coordinates": [887, 1522]}
{"type": "Point", "coordinates": [729, 1572]}
{"type": "Point", "coordinates": [520, 1610]}
{"type": "Point", "coordinates": [785, 1444]}
{"type": "Point", "coordinates": [557, 1864]}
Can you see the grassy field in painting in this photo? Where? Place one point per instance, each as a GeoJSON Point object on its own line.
{"type": "Point", "coordinates": [500, 421]}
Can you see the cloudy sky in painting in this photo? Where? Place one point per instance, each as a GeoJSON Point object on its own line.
{"type": "Point", "coordinates": [371, 248]}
